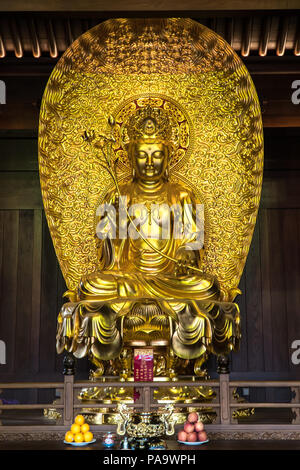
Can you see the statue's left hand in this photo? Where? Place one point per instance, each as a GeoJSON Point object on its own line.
{"type": "Point", "coordinates": [181, 267]}
{"type": "Point", "coordinates": [185, 259]}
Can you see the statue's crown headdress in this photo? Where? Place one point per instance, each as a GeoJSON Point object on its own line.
{"type": "Point", "coordinates": [149, 124]}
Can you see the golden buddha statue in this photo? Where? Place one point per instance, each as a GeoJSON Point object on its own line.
{"type": "Point", "coordinates": [149, 289]}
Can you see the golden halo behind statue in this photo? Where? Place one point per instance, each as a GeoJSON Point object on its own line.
{"type": "Point", "coordinates": [195, 73]}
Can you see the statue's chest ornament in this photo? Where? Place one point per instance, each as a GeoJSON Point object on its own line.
{"type": "Point", "coordinates": [149, 213]}
{"type": "Point", "coordinates": [153, 220]}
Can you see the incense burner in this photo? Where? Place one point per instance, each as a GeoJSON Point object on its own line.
{"type": "Point", "coordinates": [145, 424]}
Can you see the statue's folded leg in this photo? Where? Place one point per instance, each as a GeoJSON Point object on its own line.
{"type": "Point", "coordinates": [192, 335]}
{"type": "Point", "coordinates": [65, 327]}
{"type": "Point", "coordinates": [85, 327]}
{"type": "Point", "coordinates": [226, 328]}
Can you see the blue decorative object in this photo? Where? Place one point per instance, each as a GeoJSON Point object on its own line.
{"type": "Point", "coordinates": [198, 443]}
{"type": "Point", "coordinates": [109, 439]}
{"type": "Point", "coordinates": [80, 444]}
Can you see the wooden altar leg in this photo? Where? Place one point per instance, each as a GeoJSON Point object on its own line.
{"type": "Point", "coordinates": [223, 370]}
{"type": "Point", "coordinates": [69, 364]}
{"type": "Point", "coordinates": [69, 371]}
{"type": "Point", "coordinates": [223, 364]}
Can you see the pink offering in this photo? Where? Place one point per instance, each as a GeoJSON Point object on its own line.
{"type": "Point", "coordinates": [192, 437]}
{"type": "Point", "coordinates": [199, 426]}
{"type": "Point", "coordinates": [202, 436]}
{"type": "Point", "coordinates": [182, 435]}
{"type": "Point", "coordinates": [188, 427]}
{"type": "Point", "coordinates": [193, 431]}
{"type": "Point", "coordinates": [192, 417]}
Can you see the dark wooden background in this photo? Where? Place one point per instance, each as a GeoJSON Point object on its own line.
{"type": "Point", "coordinates": [31, 282]}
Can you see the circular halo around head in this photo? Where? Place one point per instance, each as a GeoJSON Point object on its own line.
{"type": "Point", "coordinates": [152, 118]}
{"type": "Point", "coordinates": [149, 124]}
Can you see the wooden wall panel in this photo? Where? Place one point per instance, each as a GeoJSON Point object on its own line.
{"type": "Point", "coordinates": [266, 257]}
{"type": "Point", "coordinates": [291, 244]}
{"type": "Point", "coordinates": [48, 303]}
{"type": "Point", "coordinates": [253, 301]}
{"type": "Point", "coordinates": [277, 285]}
{"type": "Point", "coordinates": [271, 295]}
{"type": "Point", "coordinates": [239, 361]}
{"type": "Point", "coordinates": [281, 189]}
{"type": "Point", "coordinates": [19, 154]}
{"type": "Point", "coordinates": [9, 276]}
{"type": "Point", "coordinates": [36, 290]}
{"type": "Point", "coordinates": [20, 190]}
{"type": "Point", "coordinates": [22, 360]}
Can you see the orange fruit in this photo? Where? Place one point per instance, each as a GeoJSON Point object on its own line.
{"type": "Point", "coordinates": [75, 428]}
{"type": "Point", "coordinates": [85, 428]}
{"type": "Point", "coordinates": [88, 436]}
{"type": "Point", "coordinates": [69, 436]}
{"type": "Point", "coordinates": [78, 437]}
{"type": "Point", "coordinates": [79, 420]}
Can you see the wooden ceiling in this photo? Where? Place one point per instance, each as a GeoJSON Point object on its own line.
{"type": "Point", "coordinates": [147, 5]}
{"type": "Point", "coordinates": [31, 43]}
{"type": "Point", "coordinates": [48, 35]}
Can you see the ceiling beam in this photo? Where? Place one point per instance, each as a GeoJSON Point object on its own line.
{"type": "Point", "coordinates": [36, 49]}
{"type": "Point", "coordinates": [265, 36]}
{"type": "Point", "coordinates": [146, 5]}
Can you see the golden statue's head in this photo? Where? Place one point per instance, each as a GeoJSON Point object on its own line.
{"type": "Point", "coordinates": [149, 144]}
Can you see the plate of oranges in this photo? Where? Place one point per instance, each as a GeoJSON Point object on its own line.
{"type": "Point", "coordinates": [79, 434]}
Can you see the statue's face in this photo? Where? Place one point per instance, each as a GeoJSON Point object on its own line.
{"type": "Point", "coordinates": [150, 161]}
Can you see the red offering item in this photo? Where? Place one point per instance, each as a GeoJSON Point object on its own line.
{"type": "Point", "coordinates": [188, 427]}
{"type": "Point", "coordinates": [143, 365]}
{"type": "Point", "coordinates": [202, 436]}
{"type": "Point", "coordinates": [199, 426]}
{"type": "Point", "coordinates": [193, 431]}
{"type": "Point", "coordinates": [193, 417]}
{"type": "Point", "coordinates": [182, 435]}
{"type": "Point", "coordinates": [192, 437]}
